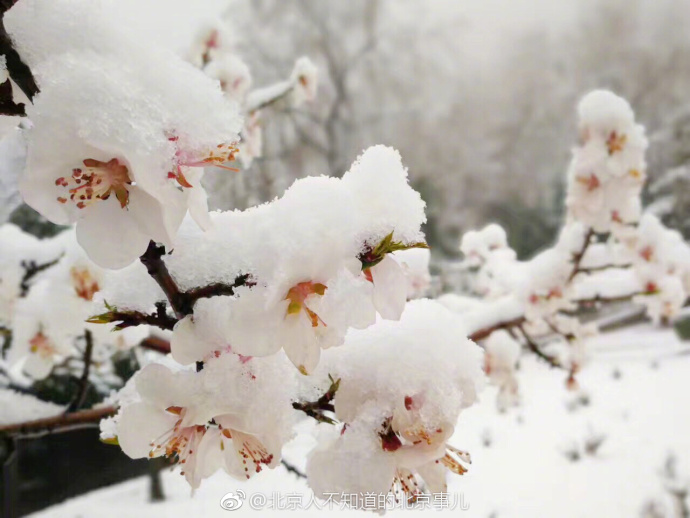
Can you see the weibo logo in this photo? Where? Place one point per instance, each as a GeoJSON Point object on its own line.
{"type": "Point", "coordinates": [233, 501]}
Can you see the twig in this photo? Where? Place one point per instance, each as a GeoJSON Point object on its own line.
{"type": "Point", "coordinates": [486, 332]}
{"type": "Point", "coordinates": [292, 469]}
{"type": "Point", "coordinates": [316, 409]}
{"type": "Point", "coordinates": [554, 328]}
{"type": "Point", "coordinates": [80, 397]}
{"type": "Point", "coordinates": [153, 261]}
{"type": "Point", "coordinates": [31, 269]}
{"type": "Point", "coordinates": [604, 267]}
{"type": "Point", "coordinates": [254, 106]}
{"type": "Point", "coordinates": [182, 302]}
{"type": "Point", "coordinates": [125, 319]}
{"type": "Point", "coordinates": [17, 69]}
{"type": "Point", "coordinates": [58, 424]}
{"type": "Point", "coordinates": [603, 299]}
{"type": "Point", "coordinates": [7, 104]}
{"type": "Point", "coordinates": [536, 350]}
{"type": "Point", "coordinates": [154, 343]}
{"type": "Point", "coordinates": [218, 288]}
{"type": "Point", "coordinates": [577, 258]}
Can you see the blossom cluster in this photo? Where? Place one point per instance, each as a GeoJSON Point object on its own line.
{"type": "Point", "coordinates": [608, 168]}
{"type": "Point", "coordinates": [314, 263]}
{"type": "Point", "coordinates": [395, 421]}
{"type": "Point", "coordinates": [120, 132]}
{"type": "Point", "coordinates": [606, 251]}
{"type": "Point", "coordinates": [214, 52]}
{"type": "Point", "coordinates": [119, 138]}
{"type": "Point", "coordinates": [48, 290]}
{"type": "Point", "coordinates": [318, 272]}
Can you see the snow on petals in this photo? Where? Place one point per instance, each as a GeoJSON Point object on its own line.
{"type": "Point", "coordinates": [398, 419]}
{"type": "Point", "coordinates": [115, 132]}
{"type": "Point", "coordinates": [608, 168]}
{"type": "Point", "coordinates": [234, 415]}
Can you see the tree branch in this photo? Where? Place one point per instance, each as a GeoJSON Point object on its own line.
{"type": "Point", "coordinates": [536, 350]}
{"type": "Point", "coordinates": [604, 267]}
{"type": "Point", "coordinates": [154, 343]}
{"type": "Point", "coordinates": [17, 69]}
{"type": "Point", "coordinates": [80, 397]}
{"type": "Point", "coordinates": [125, 319]}
{"type": "Point", "coordinates": [182, 302]}
{"type": "Point", "coordinates": [486, 332]}
{"type": "Point", "coordinates": [31, 269]}
{"type": "Point", "coordinates": [218, 289]}
{"type": "Point", "coordinates": [157, 269]}
{"type": "Point", "coordinates": [58, 424]}
{"type": "Point", "coordinates": [7, 104]}
{"type": "Point", "coordinates": [600, 298]}
{"type": "Point", "coordinates": [316, 409]}
{"type": "Point", "coordinates": [577, 258]}
{"type": "Point", "coordinates": [292, 469]}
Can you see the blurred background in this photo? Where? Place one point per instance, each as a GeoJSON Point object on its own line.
{"type": "Point", "coordinates": [478, 96]}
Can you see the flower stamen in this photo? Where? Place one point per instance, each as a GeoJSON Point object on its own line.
{"type": "Point", "coordinates": [297, 296]}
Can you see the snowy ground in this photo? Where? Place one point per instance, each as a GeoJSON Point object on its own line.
{"type": "Point", "coordinates": [637, 384]}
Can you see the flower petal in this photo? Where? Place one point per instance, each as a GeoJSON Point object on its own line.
{"type": "Point", "coordinates": [140, 424]}
{"type": "Point", "coordinates": [390, 288]}
{"type": "Point", "coordinates": [110, 236]}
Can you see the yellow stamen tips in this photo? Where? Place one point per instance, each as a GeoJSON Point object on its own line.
{"type": "Point", "coordinates": [219, 156]}
{"type": "Point", "coordinates": [178, 441]}
{"type": "Point", "coordinates": [297, 296]}
{"type": "Point", "coordinates": [253, 451]}
{"type": "Point", "coordinates": [303, 370]}
{"type": "Point", "coordinates": [96, 181]}
{"type": "Point", "coordinates": [452, 459]}
{"type": "Point", "coordinates": [405, 485]}
{"type": "Point", "coordinates": [635, 173]}
{"type": "Point", "coordinates": [419, 434]}
{"type": "Point", "coordinates": [84, 284]}
{"type": "Point", "coordinates": [615, 142]}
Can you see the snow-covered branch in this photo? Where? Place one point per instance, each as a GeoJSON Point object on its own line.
{"type": "Point", "coordinates": [61, 423]}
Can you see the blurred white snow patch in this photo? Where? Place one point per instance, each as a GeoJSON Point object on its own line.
{"type": "Point", "coordinates": [16, 407]}
{"type": "Point", "coordinates": [170, 23]}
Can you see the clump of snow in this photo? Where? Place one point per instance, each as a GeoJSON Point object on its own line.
{"type": "Point", "coordinates": [401, 388]}
{"type": "Point", "coordinates": [115, 171]}
{"type": "Point", "coordinates": [608, 168]}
